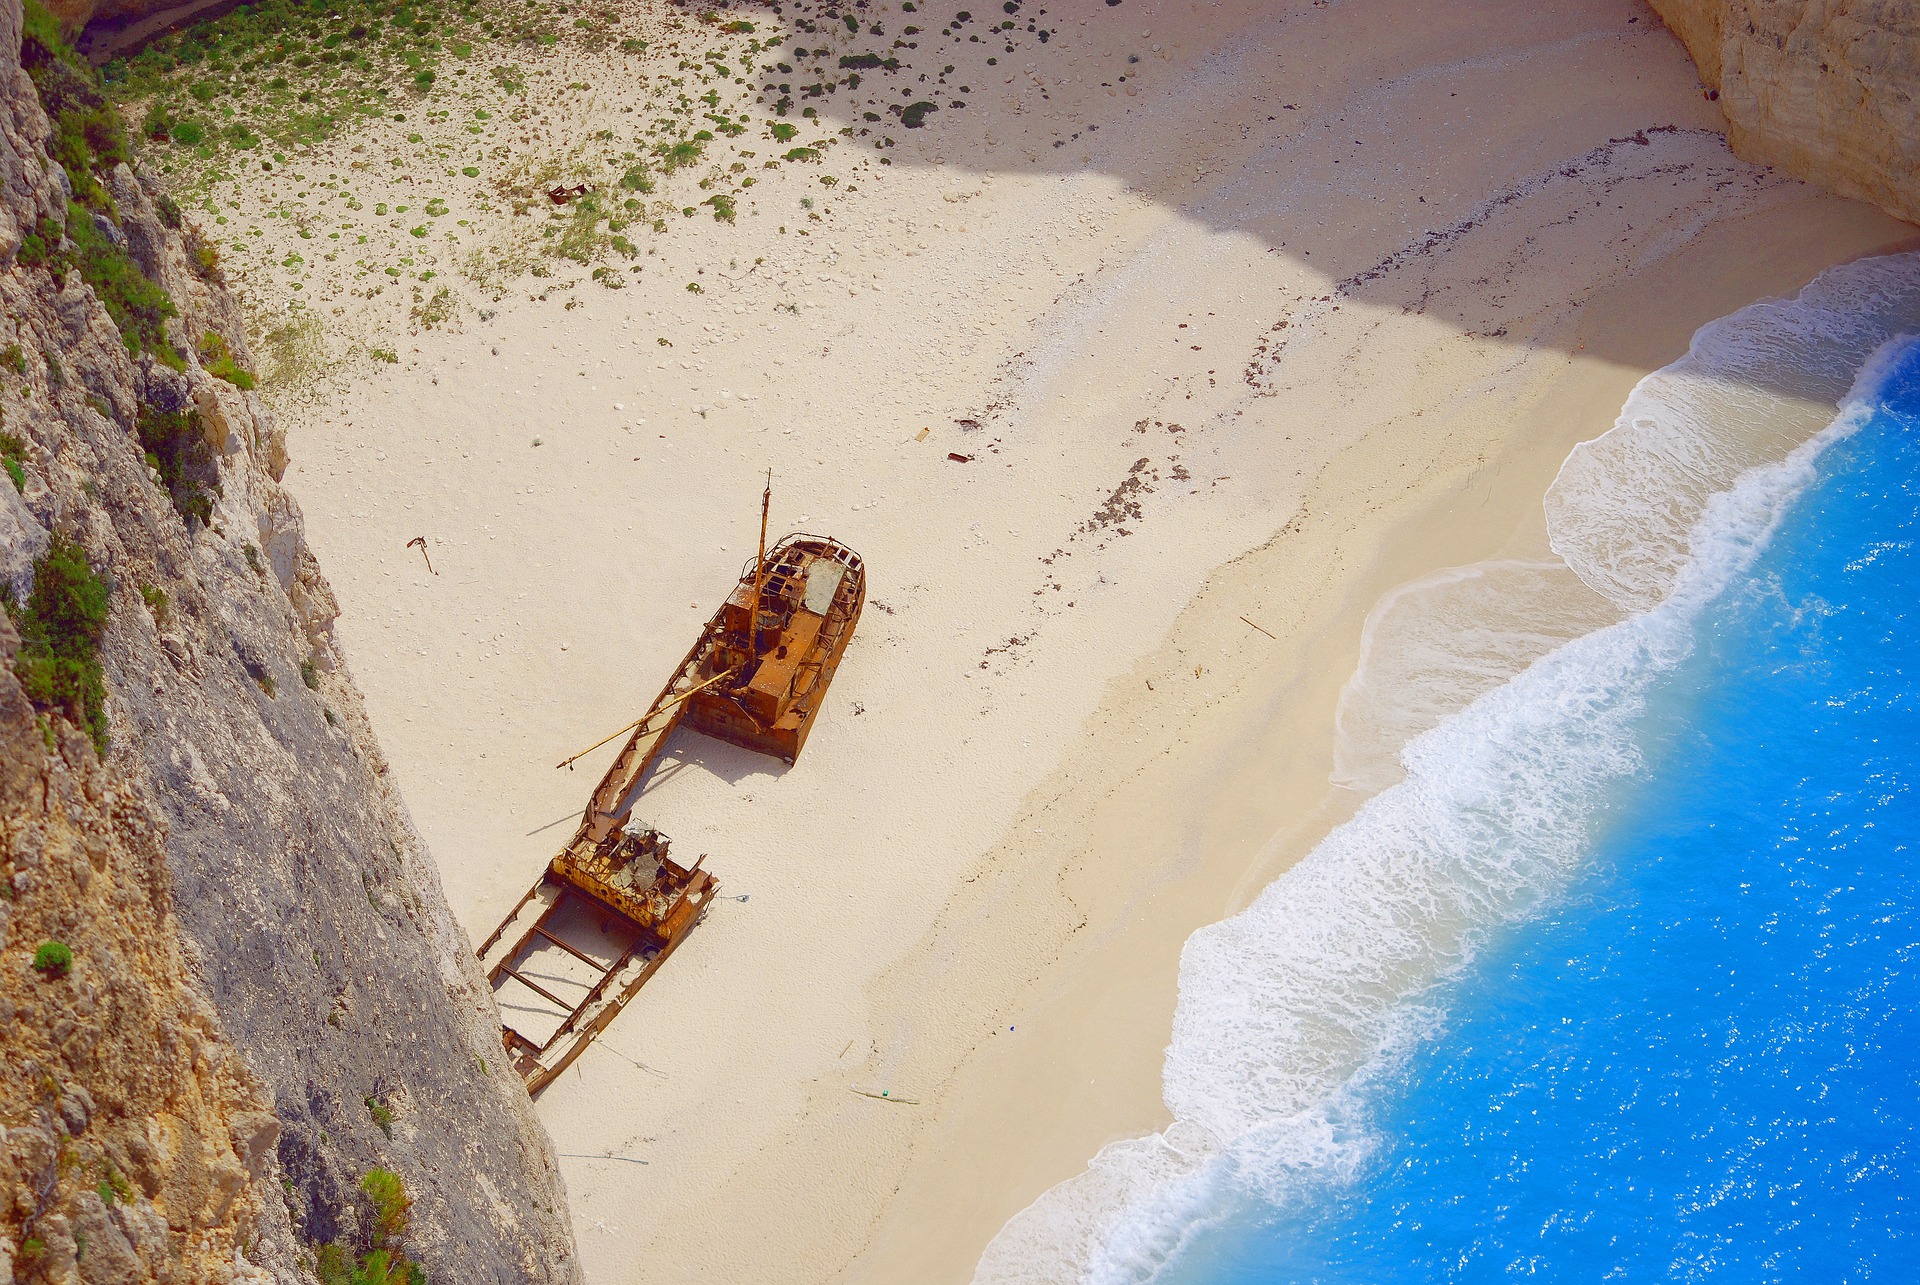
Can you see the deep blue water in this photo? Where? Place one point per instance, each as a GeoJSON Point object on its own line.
{"type": "Point", "coordinates": [1701, 1060]}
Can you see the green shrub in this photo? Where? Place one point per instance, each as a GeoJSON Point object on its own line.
{"type": "Point", "coordinates": [14, 359]}
{"type": "Point", "coordinates": [383, 1119]}
{"type": "Point", "coordinates": [13, 456]}
{"type": "Point", "coordinates": [178, 451]}
{"type": "Point", "coordinates": [783, 132]}
{"type": "Point", "coordinates": [388, 1195]}
{"type": "Point", "coordinates": [169, 210]}
{"type": "Point", "coordinates": [636, 179]}
{"type": "Point", "coordinates": [220, 363]}
{"type": "Point", "coordinates": [678, 155]}
{"type": "Point", "coordinates": [159, 122]}
{"type": "Point", "coordinates": [87, 135]}
{"type": "Point", "coordinates": [723, 211]}
{"type": "Point", "coordinates": [205, 259]}
{"type": "Point", "coordinates": [60, 630]}
{"type": "Point", "coordinates": [188, 133]}
{"type": "Point", "coordinates": [86, 143]}
{"type": "Point", "coordinates": [310, 674]}
{"type": "Point", "coordinates": [138, 307]}
{"type": "Point", "coordinates": [156, 600]}
{"type": "Point", "coordinates": [40, 248]}
{"type": "Point", "coordinates": [54, 958]}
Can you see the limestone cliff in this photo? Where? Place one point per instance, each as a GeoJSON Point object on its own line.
{"type": "Point", "coordinates": [1828, 90]}
{"type": "Point", "coordinates": [136, 1145]}
{"type": "Point", "coordinates": [267, 997]}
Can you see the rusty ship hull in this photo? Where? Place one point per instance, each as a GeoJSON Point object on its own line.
{"type": "Point", "coordinates": [609, 909]}
{"type": "Point", "coordinates": [810, 597]}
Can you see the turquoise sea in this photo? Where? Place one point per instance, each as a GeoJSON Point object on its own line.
{"type": "Point", "coordinates": [1621, 982]}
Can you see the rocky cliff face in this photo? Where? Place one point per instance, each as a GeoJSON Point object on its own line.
{"type": "Point", "coordinates": [1828, 90]}
{"type": "Point", "coordinates": [136, 1145]}
{"type": "Point", "coordinates": [268, 996]}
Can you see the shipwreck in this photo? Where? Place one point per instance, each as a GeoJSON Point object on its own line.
{"type": "Point", "coordinates": [611, 907]}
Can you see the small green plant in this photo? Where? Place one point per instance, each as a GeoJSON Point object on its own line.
{"type": "Point", "coordinates": [310, 674]}
{"type": "Point", "coordinates": [678, 155]}
{"type": "Point", "coordinates": [159, 122]}
{"type": "Point", "coordinates": [471, 171]}
{"type": "Point", "coordinates": [138, 307]}
{"type": "Point", "coordinates": [783, 132]}
{"type": "Point", "coordinates": [217, 357]}
{"type": "Point", "coordinates": [156, 600]}
{"type": "Point", "coordinates": [114, 1188]}
{"type": "Point", "coordinates": [383, 1118]}
{"type": "Point", "coordinates": [177, 450]}
{"type": "Point", "coordinates": [13, 455]}
{"type": "Point", "coordinates": [40, 247]}
{"type": "Point", "coordinates": [388, 1195]}
{"type": "Point", "coordinates": [14, 359]}
{"type": "Point", "coordinates": [60, 629]}
{"type": "Point", "coordinates": [914, 116]}
{"type": "Point", "coordinates": [384, 354]}
{"type": "Point", "coordinates": [266, 684]}
{"type": "Point", "coordinates": [53, 959]}
{"type": "Point", "coordinates": [435, 310]}
{"type": "Point", "coordinates": [723, 210]}
{"type": "Point", "coordinates": [118, 1184]}
{"type": "Point", "coordinates": [253, 559]}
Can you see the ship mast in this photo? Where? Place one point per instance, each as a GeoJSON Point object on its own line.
{"type": "Point", "coordinates": [760, 570]}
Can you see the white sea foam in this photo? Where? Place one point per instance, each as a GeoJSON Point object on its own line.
{"type": "Point", "coordinates": [1433, 645]}
{"type": "Point", "coordinates": [1621, 510]}
{"type": "Point", "coordinates": [1288, 1006]}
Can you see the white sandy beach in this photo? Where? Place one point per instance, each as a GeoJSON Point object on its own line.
{"type": "Point", "coordinates": [1318, 308]}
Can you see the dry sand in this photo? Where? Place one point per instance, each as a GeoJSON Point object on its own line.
{"type": "Point", "coordinates": [1316, 309]}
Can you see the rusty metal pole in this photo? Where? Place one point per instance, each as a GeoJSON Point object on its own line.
{"type": "Point", "coordinates": [760, 570]}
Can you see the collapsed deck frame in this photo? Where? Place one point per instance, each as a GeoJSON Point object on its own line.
{"type": "Point", "coordinates": [638, 929]}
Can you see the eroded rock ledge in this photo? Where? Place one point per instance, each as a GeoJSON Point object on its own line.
{"type": "Point", "coordinates": [1828, 90]}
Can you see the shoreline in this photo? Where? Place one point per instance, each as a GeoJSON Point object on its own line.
{"type": "Point", "coordinates": [1492, 511]}
{"type": "Point", "coordinates": [998, 823]}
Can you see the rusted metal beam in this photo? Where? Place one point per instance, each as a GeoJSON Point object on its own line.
{"type": "Point", "coordinates": [582, 956]}
{"type": "Point", "coordinates": [660, 707]}
{"type": "Point", "coordinates": [538, 989]}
